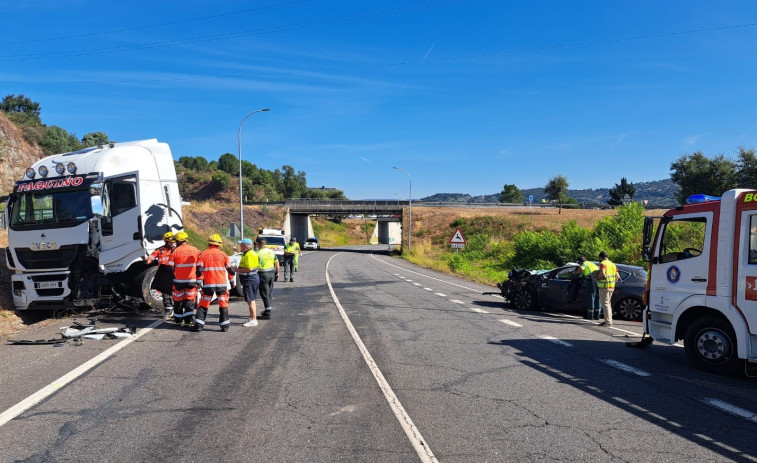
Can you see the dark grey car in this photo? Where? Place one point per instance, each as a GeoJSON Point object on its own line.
{"type": "Point", "coordinates": [549, 289]}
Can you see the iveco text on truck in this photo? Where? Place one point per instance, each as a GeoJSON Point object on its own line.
{"type": "Point", "coordinates": [80, 223]}
{"type": "Point", "coordinates": [702, 285]}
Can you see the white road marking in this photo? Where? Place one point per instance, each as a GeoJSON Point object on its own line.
{"type": "Point", "coordinates": [476, 309]}
{"type": "Point", "coordinates": [627, 368]}
{"type": "Point", "coordinates": [731, 409]}
{"type": "Point", "coordinates": [441, 294]}
{"type": "Point", "coordinates": [510, 322]}
{"type": "Point", "coordinates": [426, 276]}
{"type": "Point", "coordinates": [456, 301]}
{"type": "Point", "coordinates": [428, 289]}
{"type": "Point", "coordinates": [61, 382]}
{"type": "Point", "coordinates": [413, 434]}
{"type": "Point", "coordinates": [556, 341]}
{"type": "Point", "coordinates": [416, 284]}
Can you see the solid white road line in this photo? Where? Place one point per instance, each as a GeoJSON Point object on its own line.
{"type": "Point", "coordinates": [426, 276]}
{"type": "Point", "coordinates": [731, 409]}
{"type": "Point", "coordinates": [510, 322]}
{"type": "Point", "coordinates": [627, 368]}
{"type": "Point", "coordinates": [53, 387]}
{"type": "Point", "coordinates": [413, 434]}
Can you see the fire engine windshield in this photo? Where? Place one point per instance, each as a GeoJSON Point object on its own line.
{"type": "Point", "coordinates": [64, 209]}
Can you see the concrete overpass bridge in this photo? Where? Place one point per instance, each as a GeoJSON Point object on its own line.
{"type": "Point", "coordinates": [389, 217]}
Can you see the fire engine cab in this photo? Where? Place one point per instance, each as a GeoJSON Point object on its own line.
{"type": "Point", "coordinates": [702, 285]}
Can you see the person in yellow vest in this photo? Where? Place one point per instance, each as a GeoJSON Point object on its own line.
{"type": "Point", "coordinates": [296, 256]}
{"type": "Point", "coordinates": [606, 278]}
{"type": "Point", "coordinates": [268, 272]}
{"type": "Point", "coordinates": [248, 278]}
{"type": "Point", "coordinates": [290, 253]}
{"type": "Point", "coordinates": [587, 270]}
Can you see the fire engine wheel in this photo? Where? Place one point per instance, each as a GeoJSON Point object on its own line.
{"type": "Point", "coordinates": [523, 300]}
{"type": "Point", "coordinates": [629, 308]}
{"type": "Point", "coordinates": [710, 345]}
{"type": "Point", "coordinates": [152, 297]}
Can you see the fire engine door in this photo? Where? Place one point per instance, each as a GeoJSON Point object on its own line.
{"type": "Point", "coordinates": [120, 219]}
{"type": "Point", "coordinates": [681, 263]}
{"type": "Point", "coordinates": [746, 279]}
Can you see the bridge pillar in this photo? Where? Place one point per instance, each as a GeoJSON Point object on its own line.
{"type": "Point", "coordinates": [299, 226]}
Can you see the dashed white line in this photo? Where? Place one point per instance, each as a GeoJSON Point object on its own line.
{"type": "Point", "coordinates": [510, 322]}
{"type": "Point", "coordinates": [428, 289]}
{"type": "Point", "coordinates": [627, 368]}
{"type": "Point", "coordinates": [476, 309]}
{"type": "Point", "coordinates": [456, 301]}
{"type": "Point", "coordinates": [556, 341]}
{"type": "Point", "coordinates": [416, 284]}
{"type": "Point", "coordinates": [731, 409]}
{"type": "Point", "coordinates": [441, 294]}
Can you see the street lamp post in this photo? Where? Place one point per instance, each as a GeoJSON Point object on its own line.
{"type": "Point", "coordinates": [239, 146]}
{"type": "Point", "coordinates": [410, 209]}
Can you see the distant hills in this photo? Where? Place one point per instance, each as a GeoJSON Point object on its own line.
{"type": "Point", "coordinates": [658, 193]}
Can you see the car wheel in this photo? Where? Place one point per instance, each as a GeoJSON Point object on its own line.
{"type": "Point", "coordinates": [523, 300]}
{"type": "Point", "coordinates": [629, 308]}
{"type": "Point", "coordinates": [710, 344]}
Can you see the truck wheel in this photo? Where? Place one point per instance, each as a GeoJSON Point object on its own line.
{"type": "Point", "coordinates": [629, 308]}
{"type": "Point", "coordinates": [152, 297]}
{"type": "Point", "coordinates": [237, 290]}
{"type": "Point", "coordinates": [710, 345]}
{"type": "Point", "coordinates": [523, 300]}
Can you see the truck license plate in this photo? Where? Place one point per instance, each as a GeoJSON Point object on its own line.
{"type": "Point", "coordinates": [47, 284]}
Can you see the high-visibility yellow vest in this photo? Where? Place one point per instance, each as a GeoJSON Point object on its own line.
{"type": "Point", "coordinates": [589, 268]}
{"type": "Point", "coordinates": [610, 271]}
{"type": "Point", "coordinates": [267, 259]}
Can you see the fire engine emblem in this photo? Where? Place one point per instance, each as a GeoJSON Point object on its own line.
{"type": "Point", "coordinates": [674, 274]}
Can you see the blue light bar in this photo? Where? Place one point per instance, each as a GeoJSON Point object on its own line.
{"type": "Point", "coordinates": [700, 198]}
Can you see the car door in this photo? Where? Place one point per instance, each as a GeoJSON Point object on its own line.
{"type": "Point", "coordinates": [554, 288]}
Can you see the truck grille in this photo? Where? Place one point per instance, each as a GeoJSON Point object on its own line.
{"type": "Point", "coordinates": [55, 258]}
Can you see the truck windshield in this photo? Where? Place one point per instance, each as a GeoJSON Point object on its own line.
{"type": "Point", "coordinates": [65, 208]}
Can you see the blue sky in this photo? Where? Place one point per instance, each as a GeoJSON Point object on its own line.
{"type": "Point", "coordinates": [467, 96]}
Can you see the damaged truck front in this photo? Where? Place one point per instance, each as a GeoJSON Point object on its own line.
{"type": "Point", "coordinates": [80, 223]}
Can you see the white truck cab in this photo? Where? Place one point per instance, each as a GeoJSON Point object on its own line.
{"type": "Point", "coordinates": [80, 223]}
{"type": "Point", "coordinates": [702, 285]}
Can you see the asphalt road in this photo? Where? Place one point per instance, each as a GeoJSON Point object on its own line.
{"type": "Point", "coordinates": [369, 359]}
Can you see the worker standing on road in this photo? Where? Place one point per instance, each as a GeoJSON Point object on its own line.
{"type": "Point", "coordinates": [290, 253]}
{"type": "Point", "coordinates": [297, 255]}
{"type": "Point", "coordinates": [163, 279]}
{"type": "Point", "coordinates": [606, 278]}
{"type": "Point", "coordinates": [268, 272]}
{"type": "Point", "coordinates": [589, 285]}
{"type": "Point", "coordinates": [184, 262]}
{"type": "Point", "coordinates": [249, 279]}
{"type": "Point", "coordinates": [214, 273]}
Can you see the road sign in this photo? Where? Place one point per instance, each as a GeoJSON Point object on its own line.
{"type": "Point", "coordinates": [457, 245]}
{"type": "Point", "coordinates": [457, 238]}
{"type": "Point", "coordinates": [530, 198]}
{"type": "Point", "coordinates": [234, 230]}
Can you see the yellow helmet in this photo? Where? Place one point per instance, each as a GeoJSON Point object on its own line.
{"type": "Point", "coordinates": [214, 239]}
{"type": "Point", "coordinates": [181, 236]}
{"type": "Point", "coordinates": [168, 237]}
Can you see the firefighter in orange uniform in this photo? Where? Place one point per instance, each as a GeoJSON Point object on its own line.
{"type": "Point", "coordinates": [184, 262]}
{"type": "Point", "coordinates": [215, 270]}
{"type": "Point", "coordinates": [163, 279]}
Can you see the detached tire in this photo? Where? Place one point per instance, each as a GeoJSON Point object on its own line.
{"type": "Point", "coordinates": [152, 297]}
{"type": "Point", "coordinates": [710, 345]}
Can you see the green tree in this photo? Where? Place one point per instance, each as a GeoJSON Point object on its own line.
{"type": "Point", "coordinates": [21, 110]}
{"type": "Point", "coordinates": [620, 191]}
{"type": "Point", "coordinates": [510, 194]}
{"type": "Point", "coordinates": [229, 164]}
{"type": "Point", "coordinates": [221, 179]}
{"type": "Point", "coordinates": [557, 190]}
{"type": "Point", "coordinates": [57, 140]}
{"type": "Point", "coordinates": [294, 185]}
{"type": "Point", "coordinates": [747, 164]}
{"type": "Point", "coordinates": [696, 173]}
{"type": "Point", "coordinates": [94, 139]}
